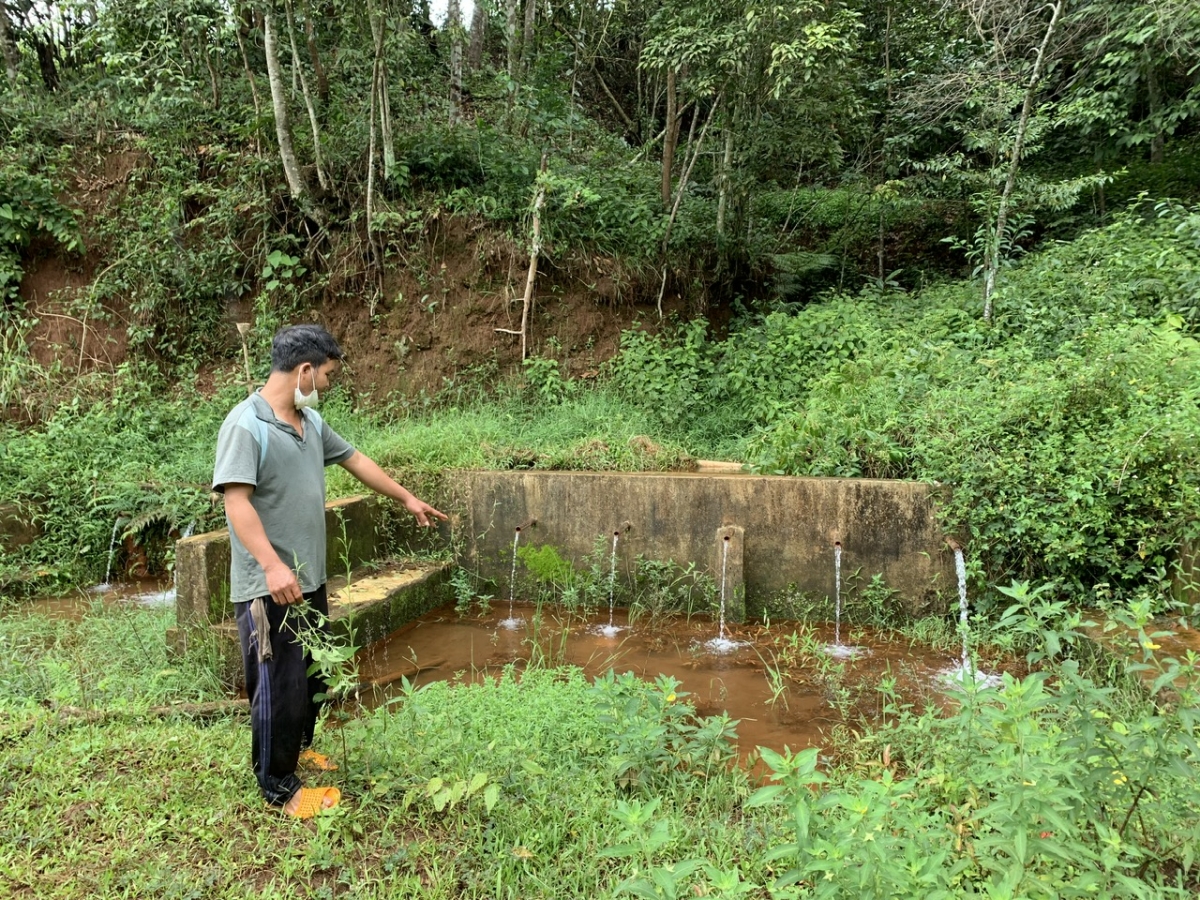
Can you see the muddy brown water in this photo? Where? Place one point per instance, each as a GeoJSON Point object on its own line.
{"type": "Point", "coordinates": [73, 606]}
{"type": "Point", "coordinates": [739, 683]}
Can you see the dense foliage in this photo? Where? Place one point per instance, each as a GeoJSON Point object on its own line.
{"type": "Point", "coordinates": [1064, 432]}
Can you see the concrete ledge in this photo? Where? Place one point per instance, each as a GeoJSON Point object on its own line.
{"type": "Point", "coordinates": [356, 533]}
{"type": "Point", "coordinates": [369, 608]}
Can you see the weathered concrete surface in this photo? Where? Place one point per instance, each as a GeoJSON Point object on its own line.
{"type": "Point", "coordinates": [367, 609]}
{"type": "Point", "coordinates": [17, 527]}
{"type": "Point", "coordinates": [358, 530]}
{"type": "Point", "coordinates": [790, 526]}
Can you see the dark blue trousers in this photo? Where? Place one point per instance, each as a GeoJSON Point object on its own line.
{"type": "Point", "coordinates": [283, 711]}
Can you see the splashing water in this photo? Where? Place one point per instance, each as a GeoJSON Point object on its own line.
{"type": "Point", "coordinates": [106, 584]}
{"type": "Point", "coordinates": [512, 623]}
{"type": "Point", "coordinates": [837, 648]}
{"type": "Point", "coordinates": [966, 674]}
{"type": "Point", "coordinates": [960, 569]}
{"type": "Point", "coordinates": [837, 594]}
{"type": "Point", "coordinates": [722, 644]}
{"type": "Point", "coordinates": [611, 630]}
{"type": "Point", "coordinates": [189, 531]}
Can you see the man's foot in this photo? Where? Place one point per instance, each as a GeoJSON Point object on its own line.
{"type": "Point", "coordinates": [313, 759]}
{"type": "Point", "coordinates": [307, 802]}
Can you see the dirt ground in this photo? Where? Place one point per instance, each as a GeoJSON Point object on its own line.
{"type": "Point", "coordinates": [445, 314]}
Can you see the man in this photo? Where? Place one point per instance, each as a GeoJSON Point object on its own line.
{"type": "Point", "coordinates": [271, 457]}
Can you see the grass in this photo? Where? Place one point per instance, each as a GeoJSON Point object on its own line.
{"type": "Point", "coordinates": [148, 470]}
{"type": "Point", "coordinates": [552, 786]}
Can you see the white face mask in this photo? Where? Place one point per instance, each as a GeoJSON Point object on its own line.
{"type": "Point", "coordinates": [307, 401]}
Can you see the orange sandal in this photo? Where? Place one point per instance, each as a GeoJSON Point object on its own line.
{"type": "Point", "coordinates": [310, 757]}
{"type": "Point", "coordinates": [312, 801]}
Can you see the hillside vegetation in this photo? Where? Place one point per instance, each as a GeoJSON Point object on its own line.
{"type": "Point", "coordinates": [948, 241]}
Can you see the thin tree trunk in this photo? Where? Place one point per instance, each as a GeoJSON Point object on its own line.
{"type": "Point", "coordinates": [993, 262]}
{"type": "Point", "coordinates": [669, 138]}
{"type": "Point", "coordinates": [582, 56]}
{"type": "Point", "coordinates": [1154, 92]}
{"type": "Point", "coordinates": [535, 250]}
{"type": "Point", "coordinates": [454, 26]}
{"type": "Point", "coordinates": [315, 56]}
{"type": "Point", "coordinates": [253, 87]}
{"type": "Point", "coordinates": [723, 179]}
{"type": "Point", "coordinates": [510, 36]}
{"type": "Point", "coordinates": [527, 34]}
{"type": "Point", "coordinates": [380, 87]}
{"type": "Point", "coordinates": [308, 101]}
{"type": "Point", "coordinates": [213, 77]}
{"type": "Point", "coordinates": [6, 45]}
{"type": "Point", "coordinates": [279, 105]}
{"type": "Point", "coordinates": [376, 259]}
{"type": "Point", "coordinates": [479, 19]}
{"type": "Point", "coordinates": [686, 175]}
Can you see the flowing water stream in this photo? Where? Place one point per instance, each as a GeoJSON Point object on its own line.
{"type": "Point", "coordinates": [721, 644]}
{"type": "Point", "coordinates": [837, 648]}
{"type": "Point", "coordinates": [106, 584]}
{"type": "Point", "coordinates": [966, 673]}
{"type": "Point", "coordinates": [612, 629]}
{"type": "Point", "coordinates": [512, 623]}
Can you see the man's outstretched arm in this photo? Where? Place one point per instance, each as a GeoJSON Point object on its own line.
{"type": "Point", "coordinates": [368, 472]}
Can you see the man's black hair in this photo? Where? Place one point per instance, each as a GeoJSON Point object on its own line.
{"type": "Point", "coordinates": [297, 344]}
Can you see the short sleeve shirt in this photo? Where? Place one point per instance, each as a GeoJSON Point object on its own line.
{"type": "Point", "coordinates": [287, 471]}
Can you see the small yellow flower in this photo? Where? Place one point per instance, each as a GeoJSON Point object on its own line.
{"type": "Point", "coordinates": [671, 697]}
{"type": "Point", "coordinates": [1119, 778]}
{"type": "Point", "coordinates": [1150, 645]}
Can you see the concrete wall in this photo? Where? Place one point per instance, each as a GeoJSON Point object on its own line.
{"type": "Point", "coordinates": [356, 532]}
{"type": "Point", "coordinates": [790, 526]}
{"type": "Point", "coordinates": [783, 532]}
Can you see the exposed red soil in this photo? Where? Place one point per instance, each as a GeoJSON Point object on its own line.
{"type": "Point", "coordinates": [444, 313]}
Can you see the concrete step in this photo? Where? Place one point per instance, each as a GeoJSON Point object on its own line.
{"type": "Point", "coordinates": [370, 606]}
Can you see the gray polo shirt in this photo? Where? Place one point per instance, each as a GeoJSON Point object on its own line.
{"type": "Point", "coordinates": [288, 474]}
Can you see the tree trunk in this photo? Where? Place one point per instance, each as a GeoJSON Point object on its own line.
{"type": "Point", "coordinates": [454, 26]}
{"type": "Point", "coordinates": [510, 36]}
{"type": "Point", "coordinates": [535, 250]}
{"type": "Point", "coordinates": [723, 180]}
{"type": "Point", "coordinates": [686, 174]}
{"type": "Point", "coordinates": [253, 86]}
{"type": "Point", "coordinates": [527, 34]}
{"type": "Point", "coordinates": [670, 136]}
{"type": "Point", "coordinates": [379, 81]}
{"type": "Point", "coordinates": [315, 57]}
{"type": "Point", "coordinates": [1154, 96]}
{"type": "Point", "coordinates": [279, 106]}
{"type": "Point", "coordinates": [6, 45]}
{"type": "Point", "coordinates": [997, 239]}
{"type": "Point", "coordinates": [375, 256]}
{"type": "Point", "coordinates": [308, 101]}
{"type": "Point", "coordinates": [213, 77]}
{"type": "Point", "coordinates": [479, 20]}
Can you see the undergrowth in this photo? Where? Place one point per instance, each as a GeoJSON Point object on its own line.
{"type": "Point", "coordinates": [555, 786]}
